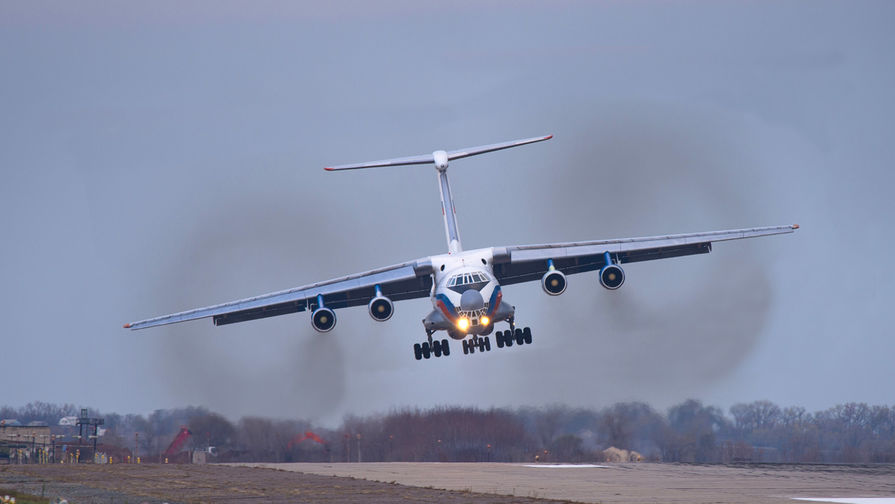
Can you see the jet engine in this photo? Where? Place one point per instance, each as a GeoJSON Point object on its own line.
{"type": "Point", "coordinates": [323, 319]}
{"type": "Point", "coordinates": [553, 282]}
{"type": "Point", "coordinates": [612, 276]}
{"type": "Point", "coordinates": [381, 308]}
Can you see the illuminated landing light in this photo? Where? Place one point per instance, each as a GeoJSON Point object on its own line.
{"type": "Point", "coordinates": [463, 324]}
{"type": "Point", "coordinates": [486, 320]}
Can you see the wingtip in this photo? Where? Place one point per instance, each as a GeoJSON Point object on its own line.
{"type": "Point", "coordinates": [127, 326]}
{"type": "Point", "coordinates": [548, 137]}
{"type": "Point", "coordinates": [795, 226]}
{"type": "Point", "coordinates": [328, 168]}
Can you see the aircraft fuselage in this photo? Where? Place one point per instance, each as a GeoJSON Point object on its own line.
{"type": "Point", "coordinates": [466, 296]}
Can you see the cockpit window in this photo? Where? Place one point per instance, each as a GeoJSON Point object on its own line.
{"type": "Point", "coordinates": [467, 279]}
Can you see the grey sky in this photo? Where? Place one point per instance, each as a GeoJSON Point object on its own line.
{"type": "Point", "coordinates": [165, 156]}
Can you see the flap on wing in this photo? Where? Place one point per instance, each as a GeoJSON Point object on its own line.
{"type": "Point", "coordinates": [402, 281]}
{"type": "Point", "coordinates": [528, 262]}
{"type": "Point", "coordinates": [411, 288]}
{"type": "Point", "coordinates": [530, 270]}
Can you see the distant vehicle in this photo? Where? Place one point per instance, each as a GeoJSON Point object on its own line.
{"type": "Point", "coordinates": [465, 286]}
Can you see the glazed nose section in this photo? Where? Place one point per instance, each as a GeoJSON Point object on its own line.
{"type": "Point", "coordinates": [471, 300]}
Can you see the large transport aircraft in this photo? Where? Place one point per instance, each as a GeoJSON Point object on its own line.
{"type": "Point", "coordinates": [465, 286]}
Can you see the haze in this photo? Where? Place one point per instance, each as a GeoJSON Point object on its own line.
{"type": "Point", "coordinates": [167, 156]}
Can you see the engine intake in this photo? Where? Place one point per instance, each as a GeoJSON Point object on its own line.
{"type": "Point", "coordinates": [553, 282]}
{"type": "Point", "coordinates": [381, 308]}
{"type": "Point", "coordinates": [612, 276]}
{"type": "Point", "coordinates": [323, 319]}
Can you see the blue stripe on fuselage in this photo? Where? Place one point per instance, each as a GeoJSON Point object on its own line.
{"type": "Point", "coordinates": [452, 312]}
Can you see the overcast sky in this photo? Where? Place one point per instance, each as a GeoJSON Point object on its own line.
{"type": "Point", "coordinates": [163, 156]}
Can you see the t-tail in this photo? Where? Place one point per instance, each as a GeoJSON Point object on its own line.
{"type": "Point", "coordinates": [440, 159]}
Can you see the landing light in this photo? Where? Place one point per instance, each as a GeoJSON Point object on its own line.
{"type": "Point", "coordinates": [486, 321]}
{"type": "Point", "coordinates": [463, 324]}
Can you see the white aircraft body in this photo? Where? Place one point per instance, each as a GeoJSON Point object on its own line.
{"type": "Point", "coordinates": [465, 286]}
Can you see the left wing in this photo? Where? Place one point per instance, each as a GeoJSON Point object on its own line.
{"type": "Point", "coordinates": [408, 280]}
{"type": "Point", "coordinates": [523, 263]}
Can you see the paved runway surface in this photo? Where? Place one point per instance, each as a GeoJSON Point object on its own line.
{"type": "Point", "coordinates": [631, 483]}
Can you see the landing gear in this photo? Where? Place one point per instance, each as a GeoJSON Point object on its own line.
{"type": "Point", "coordinates": [513, 336]}
{"type": "Point", "coordinates": [427, 349]}
{"type": "Point", "coordinates": [441, 348]}
{"type": "Point", "coordinates": [482, 344]}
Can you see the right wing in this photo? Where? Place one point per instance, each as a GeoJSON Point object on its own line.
{"type": "Point", "coordinates": [524, 263]}
{"type": "Point", "coordinates": [408, 280]}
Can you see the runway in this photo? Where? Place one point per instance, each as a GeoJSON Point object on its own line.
{"type": "Point", "coordinates": [632, 483]}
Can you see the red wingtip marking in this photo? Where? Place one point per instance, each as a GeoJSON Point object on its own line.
{"type": "Point", "coordinates": [127, 326]}
{"type": "Point", "coordinates": [327, 168]}
{"type": "Point", "coordinates": [548, 137]}
{"type": "Point", "coordinates": [795, 226]}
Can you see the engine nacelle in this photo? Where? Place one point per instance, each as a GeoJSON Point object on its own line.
{"type": "Point", "coordinates": [612, 276]}
{"type": "Point", "coordinates": [553, 282]}
{"type": "Point", "coordinates": [323, 319]}
{"type": "Point", "coordinates": [381, 308]}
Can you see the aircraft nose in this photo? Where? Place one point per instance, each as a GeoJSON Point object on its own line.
{"type": "Point", "coordinates": [471, 300]}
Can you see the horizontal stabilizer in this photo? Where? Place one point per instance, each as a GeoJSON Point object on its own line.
{"type": "Point", "coordinates": [430, 158]}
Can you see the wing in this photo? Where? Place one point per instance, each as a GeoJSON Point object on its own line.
{"type": "Point", "coordinates": [524, 263]}
{"type": "Point", "coordinates": [402, 281]}
{"type": "Point", "coordinates": [430, 158]}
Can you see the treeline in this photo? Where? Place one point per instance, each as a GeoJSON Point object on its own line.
{"type": "Point", "coordinates": [688, 432]}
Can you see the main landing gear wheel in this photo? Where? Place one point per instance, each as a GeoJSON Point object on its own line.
{"type": "Point", "coordinates": [445, 348]}
{"type": "Point", "coordinates": [513, 337]}
{"type": "Point", "coordinates": [438, 348]}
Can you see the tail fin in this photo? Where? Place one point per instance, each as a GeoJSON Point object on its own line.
{"type": "Point", "coordinates": [430, 158]}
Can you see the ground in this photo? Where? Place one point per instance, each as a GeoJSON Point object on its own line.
{"type": "Point", "coordinates": [388, 483]}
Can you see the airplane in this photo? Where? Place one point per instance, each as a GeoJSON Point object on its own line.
{"type": "Point", "coordinates": [465, 286]}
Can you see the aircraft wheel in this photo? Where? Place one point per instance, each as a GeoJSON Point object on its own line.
{"type": "Point", "coordinates": [417, 351]}
{"type": "Point", "coordinates": [465, 347]}
{"type": "Point", "coordinates": [518, 336]}
{"type": "Point", "coordinates": [427, 352]}
{"type": "Point", "coordinates": [445, 348]}
{"type": "Point", "coordinates": [498, 337]}
{"type": "Point", "coordinates": [508, 338]}
{"type": "Point", "coordinates": [487, 344]}
{"type": "Point", "coordinates": [526, 335]}
{"type": "Point", "coordinates": [436, 348]}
